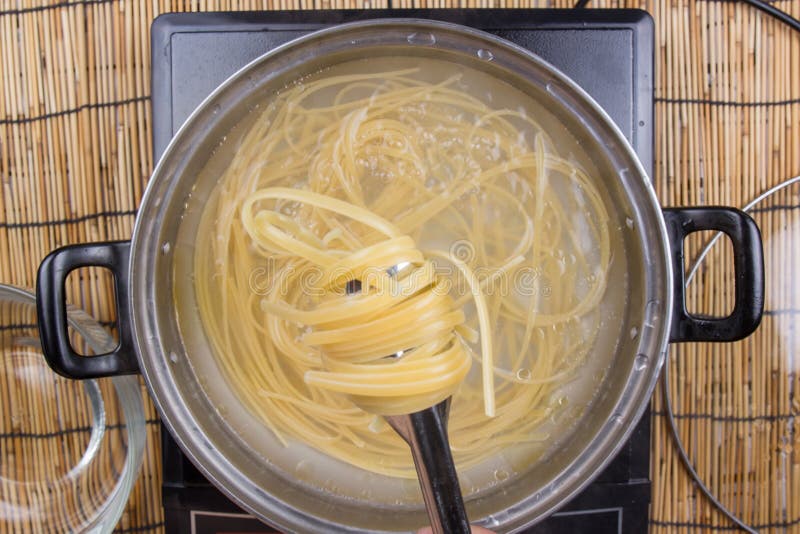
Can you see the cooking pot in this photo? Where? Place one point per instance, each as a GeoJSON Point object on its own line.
{"type": "Point", "coordinates": [162, 337]}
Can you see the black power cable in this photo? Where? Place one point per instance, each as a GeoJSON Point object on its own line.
{"type": "Point", "coordinates": [793, 23]}
{"type": "Point", "coordinates": [758, 4]}
{"type": "Point", "coordinates": [774, 12]}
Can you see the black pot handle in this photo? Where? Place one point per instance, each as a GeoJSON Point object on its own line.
{"type": "Point", "coordinates": [51, 306]}
{"type": "Point", "coordinates": [748, 274]}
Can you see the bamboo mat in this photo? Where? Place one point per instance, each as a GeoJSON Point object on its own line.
{"type": "Point", "coordinates": [75, 156]}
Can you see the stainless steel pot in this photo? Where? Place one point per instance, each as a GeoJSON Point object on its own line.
{"type": "Point", "coordinates": [148, 269]}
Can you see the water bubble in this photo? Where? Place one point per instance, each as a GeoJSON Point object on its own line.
{"type": "Point", "coordinates": [617, 419]}
{"type": "Point", "coordinates": [629, 223]}
{"type": "Point", "coordinates": [634, 332]}
{"type": "Point", "coordinates": [490, 521]}
{"type": "Point", "coordinates": [303, 468]}
{"type": "Point", "coordinates": [524, 374]}
{"type": "Point", "coordinates": [216, 109]}
{"type": "Point", "coordinates": [421, 38]}
{"type": "Point", "coordinates": [173, 357]}
{"type": "Point", "coordinates": [485, 55]}
{"type": "Point", "coordinates": [165, 248]}
{"type": "Point", "coordinates": [599, 377]}
{"type": "Point", "coordinates": [552, 488]}
{"type": "Point", "coordinates": [500, 475]}
{"type": "Point", "coordinates": [651, 314]}
{"type": "Point", "coordinates": [640, 362]}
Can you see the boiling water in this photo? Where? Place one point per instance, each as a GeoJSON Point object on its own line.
{"type": "Point", "coordinates": [474, 209]}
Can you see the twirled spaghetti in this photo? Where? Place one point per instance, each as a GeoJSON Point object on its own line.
{"type": "Point", "coordinates": [355, 333]}
{"type": "Point", "coordinates": [469, 236]}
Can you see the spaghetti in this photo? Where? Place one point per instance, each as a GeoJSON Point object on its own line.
{"type": "Point", "coordinates": [422, 223]}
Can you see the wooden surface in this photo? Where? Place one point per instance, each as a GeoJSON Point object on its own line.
{"type": "Point", "coordinates": [75, 157]}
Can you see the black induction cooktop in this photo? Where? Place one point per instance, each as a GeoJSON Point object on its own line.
{"type": "Point", "coordinates": [607, 52]}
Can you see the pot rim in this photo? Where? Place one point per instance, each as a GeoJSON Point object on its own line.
{"type": "Point", "coordinates": [179, 419]}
